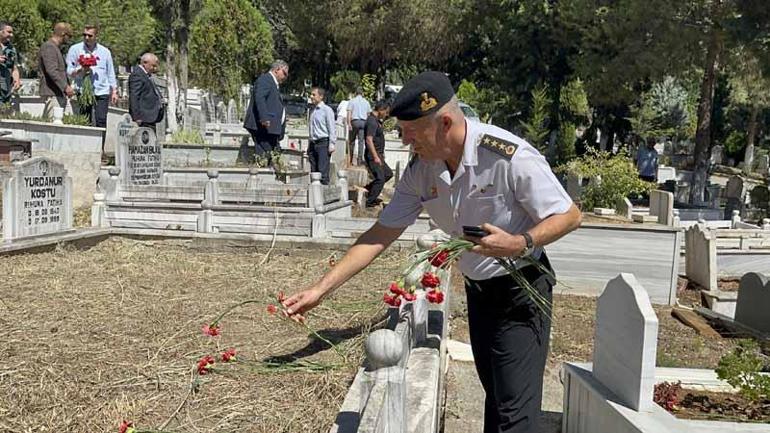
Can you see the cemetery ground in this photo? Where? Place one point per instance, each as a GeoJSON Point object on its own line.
{"type": "Point", "coordinates": [91, 337]}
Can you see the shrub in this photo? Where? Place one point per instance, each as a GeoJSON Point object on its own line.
{"type": "Point", "coordinates": [187, 136]}
{"type": "Point", "coordinates": [617, 174]}
{"type": "Point", "coordinates": [742, 368]}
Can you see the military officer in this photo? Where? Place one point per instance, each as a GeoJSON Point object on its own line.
{"type": "Point", "coordinates": [468, 173]}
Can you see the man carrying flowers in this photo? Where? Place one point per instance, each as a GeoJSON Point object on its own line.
{"type": "Point", "coordinates": [471, 174]}
{"type": "Point", "coordinates": [90, 65]}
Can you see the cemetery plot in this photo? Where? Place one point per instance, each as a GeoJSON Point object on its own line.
{"type": "Point", "coordinates": [90, 338]}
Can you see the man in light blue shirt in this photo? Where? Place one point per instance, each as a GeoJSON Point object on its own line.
{"type": "Point", "coordinates": [358, 110]}
{"type": "Point", "coordinates": [647, 161]}
{"type": "Point", "coordinates": [102, 76]}
{"type": "Point", "coordinates": [323, 134]}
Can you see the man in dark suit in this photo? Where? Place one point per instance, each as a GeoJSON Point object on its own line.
{"type": "Point", "coordinates": [266, 115]}
{"type": "Point", "coordinates": [144, 101]}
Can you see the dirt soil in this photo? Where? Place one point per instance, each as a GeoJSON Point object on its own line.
{"type": "Point", "coordinates": [92, 337]}
{"type": "Point", "coordinates": [572, 332]}
{"type": "Point", "coordinates": [720, 406]}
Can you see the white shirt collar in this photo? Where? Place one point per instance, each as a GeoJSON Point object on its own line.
{"type": "Point", "coordinates": [470, 150]}
{"type": "Point", "coordinates": [274, 79]}
{"type": "Point", "coordinates": [145, 70]}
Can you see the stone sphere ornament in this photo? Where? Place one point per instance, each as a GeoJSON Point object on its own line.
{"type": "Point", "coordinates": [383, 349]}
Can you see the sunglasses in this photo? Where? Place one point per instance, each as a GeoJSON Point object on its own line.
{"type": "Point", "coordinates": [87, 35]}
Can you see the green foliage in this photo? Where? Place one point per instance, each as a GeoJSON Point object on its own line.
{"type": "Point", "coordinates": [76, 119]}
{"type": "Point", "coordinates": [344, 83]}
{"type": "Point", "coordinates": [735, 142]}
{"type": "Point", "coordinates": [468, 93]}
{"type": "Point", "coordinates": [565, 143]}
{"type": "Point", "coordinates": [29, 28]}
{"type": "Point", "coordinates": [618, 178]}
{"type": "Point", "coordinates": [742, 368]}
{"type": "Point", "coordinates": [369, 86]}
{"type": "Point", "coordinates": [231, 43]}
{"type": "Point", "coordinates": [389, 124]}
{"type": "Point", "coordinates": [187, 136]}
{"type": "Point", "coordinates": [125, 27]}
{"type": "Point", "coordinates": [536, 127]}
{"type": "Point", "coordinates": [666, 110]}
{"type": "Point", "coordinates": [573, 100]}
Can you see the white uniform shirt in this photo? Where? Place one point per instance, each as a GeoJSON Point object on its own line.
{"type": "Point", "coordinates": [514, 193]}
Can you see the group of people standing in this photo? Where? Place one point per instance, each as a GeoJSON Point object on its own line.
{"type": "Point", "coordinates": [62, 76]}
{"type": "Point", "coordinates": [265, 120]}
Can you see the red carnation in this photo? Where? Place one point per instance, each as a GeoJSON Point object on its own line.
{"type": "Point", "coordinates": [228, 355]}
{"type": "Point", "coordinates": [435, 296]}
{"type": "Point", "coordinates": [396, 289]}
{"type": "Point", "coordinates": [409, 297]}
{"type": "Point", "coordinates": [439, 258]}
{"type": "Point", "coordinates": [205, 364]}
{"type": "Point", "coordinates": [272, 309]}
{"type": "Point", "coordinates": [126, 427]}
{"type": "Point", "coordinates": [210, 330]}
{"type": "Point", "coordinates": [430, 280]}
{"type": "Point", "coordinates": [393, 301]}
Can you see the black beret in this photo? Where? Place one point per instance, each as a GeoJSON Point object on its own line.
{"type": "Point", "coordinates": [422, 95]}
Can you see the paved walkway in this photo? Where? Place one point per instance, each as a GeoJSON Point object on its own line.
{"type": "Point", "coordinates": [464, 409]}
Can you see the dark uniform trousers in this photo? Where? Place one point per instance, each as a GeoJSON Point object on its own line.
{"type": "Point", "coordinates": [381, 174]}
{"type": "Point", "coordinates": [509, 338]}
{"type": "Point", "coordinates": [318, 155]}
{"type": "Point", "coordinates": [264, 144]}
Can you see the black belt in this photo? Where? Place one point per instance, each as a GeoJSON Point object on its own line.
{"type": "Point", "coordinates": [320, 140]}
{"type": "Point", "coordinates": [531, 272]}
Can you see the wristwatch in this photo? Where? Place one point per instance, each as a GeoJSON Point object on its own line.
{"type": "Point", "coordinates": [530, 244]}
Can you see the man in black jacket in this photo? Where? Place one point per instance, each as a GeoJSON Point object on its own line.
{"type": "Point", "coordinates": [266, 115]}
{"type": "Point", "coordinates": [144, 101]}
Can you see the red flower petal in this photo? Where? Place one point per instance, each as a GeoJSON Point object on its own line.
{"type": "Point", "coordinates": [439, 258]}
{"type": "Point", "coordinates": [228, 355]}
{"type": "Point", "coordinates": [205, 364]}
{"type": "Point", "coordinates": [124, 426]}
{"type": "Point", "coordinates": [409, 296]}
{"type": "Point", "coordinates": [272, 309]}
{"type": "Point", "coordinates": [210, 330]}
{"type": "Point", "coordinates": [430, 280]}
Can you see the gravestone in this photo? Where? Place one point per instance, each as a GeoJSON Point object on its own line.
{"type": "Point", "coordinates": [574, 187]}
{"type": "Point", "coordinates": [716, 155]}
{"type": "Point", "coordinates": [701, 256]}
{"type": "Point", "coordinates": [37, 199]}
{"type": "Point", "coordinates": [666, 173]}
{"type": "Point", "coordinates": [753, 302]}
{"type": "Point", "coordinates": [625, 342]}
{"type": "Point", "coordinates": [625, 208]}
{"type": "Point", "coordinates": [232, 112]}
{"type": "Point", "coordinates": [139, 157]}
{"type": "Point", "coordinates": [763, 164]}
{"type": "Point", "coordinates": [221, 112]}
{"type": "Point", "coordinates": [194, 120]}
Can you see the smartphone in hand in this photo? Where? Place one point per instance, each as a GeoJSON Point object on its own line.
{"type": "Point", "coordinates": [474, 231]}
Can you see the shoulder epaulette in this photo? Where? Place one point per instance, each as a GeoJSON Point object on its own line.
{"type": "Point", "coordinates": [499, 146]}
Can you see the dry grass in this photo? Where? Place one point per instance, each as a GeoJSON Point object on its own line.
{"type": "Point", "coordinates": [89, 338]}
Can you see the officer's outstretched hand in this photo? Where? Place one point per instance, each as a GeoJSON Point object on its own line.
{"type": "Point", "coordinates": [300, 303]}
{"type": "Point", "coordinates": [498, 243]}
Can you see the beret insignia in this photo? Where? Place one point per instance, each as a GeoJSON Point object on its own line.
{"type": "Point", "coordinates": [427, 102]}
{"type": "Point", "coordinates": [499, 146]}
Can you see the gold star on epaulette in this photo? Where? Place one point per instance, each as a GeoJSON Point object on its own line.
{"type": "Point", "coordinates": [501, 147]}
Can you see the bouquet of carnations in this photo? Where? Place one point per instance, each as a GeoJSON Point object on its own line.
{"type": "Point", "coordinates": [86, 96]}
{"type": "Point", "coordinates": [420, 273]}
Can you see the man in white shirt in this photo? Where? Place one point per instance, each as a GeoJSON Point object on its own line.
{"type": "Point", "coordinates": [358, 110]}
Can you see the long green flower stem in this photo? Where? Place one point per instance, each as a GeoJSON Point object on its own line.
{"type": "Point", "coordinates": [307, 327]}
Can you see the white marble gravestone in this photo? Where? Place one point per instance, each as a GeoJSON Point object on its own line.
{"type": "Point", "coordinates": [139, 157]}
{"type": "Point", "coordinates": [37, 199]}
{"type": "Point", "coordinates": [232, 112]}
{"type": "Point", "coordinates": [625, 342]}
{"type": "Point", "coordinates": [221, 112]}
{"type": "Point", "coordinates": [194, 120]}
{"type": "Point", "coordinates": [753, 305]}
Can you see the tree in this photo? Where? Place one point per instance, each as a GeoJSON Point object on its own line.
{"type": "Point", "coordinates": [30, 30]}
{"type": "Point", "coordinates": [175, 18]}
{"type": "Point", "coordinates": [751, 88]}
{"type": "Point", "coordinates": [231, 52]}
{"type": "Point", "coordinates": [125, 27]}
{"type": "Point", "coordinates": [536, 127]}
